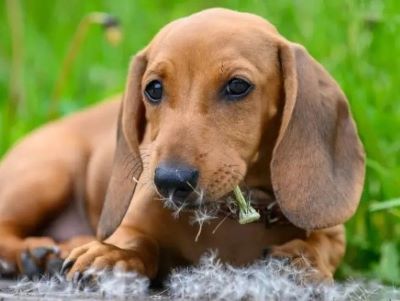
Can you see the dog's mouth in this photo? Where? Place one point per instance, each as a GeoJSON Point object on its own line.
{"type": "Point", "coordinates": [225, 206]}
{"type": "Point", "coordinates": [203, 210]}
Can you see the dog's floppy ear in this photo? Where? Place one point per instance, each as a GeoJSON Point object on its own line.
{"type": "Point", "coordinates": [127, 165]}
{"type": "Point", "coordinates": [317, 167]}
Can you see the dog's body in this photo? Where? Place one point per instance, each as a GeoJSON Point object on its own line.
{"type": "Point", "coordinates": [225, 140]}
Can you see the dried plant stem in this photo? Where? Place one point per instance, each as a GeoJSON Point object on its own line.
{"type": "Point", "coordinates": [219, 224]}
{"type": "Point", "coordinates": [109, 24]}
{"type": "Point", "coordinates": [247, 214]}
{"type": "Point", "coordinates": [16, 90]}
{"type": "Point", "coordinates": [196, 239]}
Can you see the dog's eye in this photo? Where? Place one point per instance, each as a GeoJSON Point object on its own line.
{"type": "Point", "coordinates": [154, 91]}
{"type": "Point", "coordinates": [237, 88]}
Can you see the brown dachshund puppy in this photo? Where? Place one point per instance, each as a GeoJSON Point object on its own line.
{"type": "Point", "coordinates": [216, 100]}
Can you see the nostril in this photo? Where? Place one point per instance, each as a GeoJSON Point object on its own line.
{"type": "Point", "coordinates": [181, 193]}
{"type": "Point", "coordinates": [176, 180]}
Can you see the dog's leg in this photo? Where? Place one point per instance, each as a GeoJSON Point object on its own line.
{"type": "Point", "coordinates": [26, 201]}
{"type": "Point", "coordinates": [37, 179]}
{"type": "Point", "coordinates": [130, 248]}
{"type": "Point", "coordinates": [126, 250]}
{"type": "Point", "coordinates": [322, 250]}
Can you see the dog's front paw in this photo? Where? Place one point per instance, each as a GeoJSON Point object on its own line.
{"type": "Point", "coordinates": [98, 256]}
{"type": "Point", "coordinates": [38, 256]}
{"type": "Point", "coordinates": [304, 257]}
{"type": "Point", "coordinates": [39, 261]}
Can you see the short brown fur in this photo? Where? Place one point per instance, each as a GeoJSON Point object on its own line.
{"type": "Point", "coordinates": [293, 135]}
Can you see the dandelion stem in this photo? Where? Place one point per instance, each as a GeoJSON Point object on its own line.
{"type": "Point", "coordinates": [247, 214]}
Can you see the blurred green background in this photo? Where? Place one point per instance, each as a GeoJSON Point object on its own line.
{"type": "Point", "coordinates": [357, 41]}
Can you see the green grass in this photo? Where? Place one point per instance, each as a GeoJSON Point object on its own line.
{"type": "Point", "coordinates": [357, 41]}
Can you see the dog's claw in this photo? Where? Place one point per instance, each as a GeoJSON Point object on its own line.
{"type": "Point", "coordinates": [66, 266]}
{"type": "Point", "coordinates": [30, 268]}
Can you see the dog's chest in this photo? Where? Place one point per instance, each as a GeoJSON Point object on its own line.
{"type": "Point", "coordinates": [235, 243]}
{"type": "Point", "coordinates": [180, 238]}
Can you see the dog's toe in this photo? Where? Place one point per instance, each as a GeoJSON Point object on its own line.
{"type": "Point", "coordinates": [82, 264]}
{"type": "Point", "coordinates": [97, 257]}
{"type": "Point", "coordinates": [28, 266]}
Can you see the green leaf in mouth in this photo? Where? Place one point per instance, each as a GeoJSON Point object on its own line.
{"type": "Point", "coordinates": [247, 214]}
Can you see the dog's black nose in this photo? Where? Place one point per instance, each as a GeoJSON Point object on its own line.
{"type": "Point", "coordinates": [176, 181]}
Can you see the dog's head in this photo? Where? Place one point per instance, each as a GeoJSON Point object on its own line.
{"type": "Point", "coordinates": [222, 91]}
